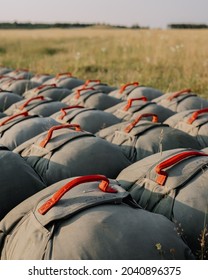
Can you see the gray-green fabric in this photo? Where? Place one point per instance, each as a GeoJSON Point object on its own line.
{"type": "Point", "coordinates": [65, 81]}
{"type": "Point", "coordinates": [18, 130]}
{"type": "Point", "coordinates": [55, 93]}
{"type": "Point", "coordinates": [183, 197]}
{"type": "Point", "coordinates": [183, 102]}
{"type": "Point", "coordinates": [20, 74]}
{"type": "Point", "coordinates": [198, 128]}
{"type": "Point", "coordinates": [73, 153]}
{"type": "Point", "coordinates": [7, 98]}
{"type": "Point", "coordinates": [89, 119]}
{"type": "Point", "coordinates": [18, 180]}
{"type": "Point", "coordinates": [139, 107]}
{"type": "Point", "coordinates": [20, 86]}
{"type": "Point", "coordinates": [92, 99]}
{"type": "Point", "coordinates": [41, 78]}
{"type": "Point", "coordinates": [2, 115]}
{"type": "Point", "coordinates": [104, 88]}
{"type": "Point", "coordinates": [137, 91]}
{"type": "Point", "coordinates": [147, 138]}
{"type": "Point", "coordinates": [88, 224]}
{"type": "Point", "coordinates": [4, 70]}
{"type": "Point", "coordinates": [42, 107]}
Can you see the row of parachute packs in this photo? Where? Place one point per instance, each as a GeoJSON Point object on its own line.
{"type": "Point", "coordinates": [91, 171]}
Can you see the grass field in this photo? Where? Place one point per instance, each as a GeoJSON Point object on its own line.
{"type": "Point", "coordinates": [165, 59]}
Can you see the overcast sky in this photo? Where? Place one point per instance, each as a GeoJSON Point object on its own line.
{"type": "Point", "coordinates": [152, 13]}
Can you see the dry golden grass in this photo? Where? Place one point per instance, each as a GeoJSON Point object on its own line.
{"type": "Point", "coordinates": [165, 59]}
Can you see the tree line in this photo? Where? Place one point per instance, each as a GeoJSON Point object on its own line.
{"type": "Point", "coordinates": [29, 25]}
{"type": "Point", "coordinates": [187, 26]}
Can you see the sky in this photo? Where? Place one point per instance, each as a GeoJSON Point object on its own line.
{"type": "Point", "coordinates": [151, 13]}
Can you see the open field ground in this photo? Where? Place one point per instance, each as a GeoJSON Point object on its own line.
{"type": "Point", "coordinates": [165, 59]}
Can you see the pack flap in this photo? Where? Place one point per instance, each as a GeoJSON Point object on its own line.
{"type": "Point", "coordinates": [11, 123]}
{"type": "Point", "coordinates": [135, 107]}
{"type": "Point", "coordinates": [178, 174]}
{"type": "Point", "coordinates": [143, 127]}
{"type": "Point", "coordinates": [85, 95]}
{"type": "Point", "coordinates": [73, 113]}
{"type": "Point", "coordinates": [81, 197]}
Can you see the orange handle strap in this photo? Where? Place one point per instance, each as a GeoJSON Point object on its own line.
{"type": "Point", "coordinates": [30, 100]}
{"type": "Point", "coordinates": [44, 142]}
{"type": "Point", "coordinates": [10, 80]}
{"type": "Point", "coordinates": [42, 74]}
{"type": "Point", "coordinates": [21, 70]}
{"type": "Point", "coordinates": [92, 81]}
{"type": "Point", "coordinates": [4, 76]}
{"type": "Point", "coordinates": [24, 114]}
{"type": "Point", "coordinates": [67, 74]}
{"type": "Point", "coordinates": [130, 101]}
{"type": "Point", "coordinates": [195, 115]}
{"type": "Point", "coordinates": [78, 92]}
{"type": "Point", "coordinates": [103, 186]}
{"type": "Point", "coordinates": [63, 110]}
{"type": "Point", "coordinates": [178, 93]}
{"type": "Point", "coordinates": [132, 124]}
{"type": "Point", "coordinates": [126, 85]}
{"type": "Point", "coordinates": [44, 86]}
{"type": "Point", "coordinates": [162, 175]}
{"type": "Point", "coordinates": [16, 79]}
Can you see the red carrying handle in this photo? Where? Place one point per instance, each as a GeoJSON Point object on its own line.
{"type": "Point", "coordinates": [63, 110]}
{"type": "Point", "coordinates": [30, 100]}
{"type": "Point", "coordinates": [67, 74]}
{"type": "Point", "coordinates": [103, 186]}
{"type": "Point", "coordinates": [92, 81]}
{"type": "Point", "coordinates": [78, 92]}
{"type": "Point", "coordinates": [42, 74]}
{"type": "Point", "coordinates": [195, 115]}
{"type": "Point", "coordinates": [21, 70]}
{"type": "Point", "coordinates": [162, 175]}
{"type": "Point", "coordinates": [130, 101]}
{"type": "Point", "coordinates": [122, 89]}
{"type": "Point", "coordinates": [44, 86]}
{"type": "Point", "coordinates": [44, 142]}
{"type": "Point", "coordinates": [11, 79]}
{"type": "Point", "coordinates": [4, 76]}
{"type": "Point", "coordinates": [178, 93]}
{"type": "Point", "coordinates": [25, 114]}
{"type": "Point", "coordinates": [132, 124]}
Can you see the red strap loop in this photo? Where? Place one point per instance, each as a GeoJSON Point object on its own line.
{"type": "Point", "coordinates": [104, 186]}
{"type": "Point", "coordinates": [30, 100]}
{"type": "Point", "coordinates": [195, 115]}
{"type": "Point", "coordinates": [130, 101]}
{"type": "Point", "coordinates": [4, 76]}
{"type": "Point", "coordinates": [67, 74]}
{"type": "Point", "coordinates": [162, 175]}
{"type": "Point", "coordinates": [21, 70]}
{"type": "Point", "coordinates": [178, 93]}
{"type": "Point", "coordinates": [45, 86]}
{"type": "Point", "coordinates": [42, 74]}
{"type": "Point", "coordinates": [123, 88]}
{"type": "Point", "coordinates": [78, 92]}
{"type": "Point", "coordinates": [44, 142]}
{"type": "Point", "coordinates": [63, 110]}
{"type": "Point", "coordinates": [24, 114]}
{"type": "Point", "coordinates": [92, 81]}
{"type": "Point", "coordinates": [132, 124]}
